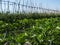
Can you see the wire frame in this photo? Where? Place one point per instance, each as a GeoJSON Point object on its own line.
{"type": "Point", "coordinates": [22, 6]}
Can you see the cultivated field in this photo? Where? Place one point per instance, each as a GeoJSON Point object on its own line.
{"type": "Point", "coordinates": [32, 28]}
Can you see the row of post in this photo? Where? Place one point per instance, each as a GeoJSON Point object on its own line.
{"type": "Point", "coordinates": [7, 6]}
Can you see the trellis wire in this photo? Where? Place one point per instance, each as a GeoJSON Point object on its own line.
{"type": "Point", "coordinates": [5, 6]}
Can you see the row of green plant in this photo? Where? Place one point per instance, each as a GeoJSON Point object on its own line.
{"type": "Point", "coordinates": [27, 15]}
{"type": "Point", "coordinates": [17, 29]}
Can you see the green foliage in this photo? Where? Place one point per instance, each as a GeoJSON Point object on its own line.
{"type": "Point", "coordinates": [18, 29]}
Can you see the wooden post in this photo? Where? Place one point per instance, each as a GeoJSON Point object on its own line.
{"type": "Point", "coordinates": [8, 7]}
{"type": "Point", "coordinates": [1, 5]}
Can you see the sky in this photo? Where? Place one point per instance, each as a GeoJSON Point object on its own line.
{"type": "Point", "coordinates": [49, 4]}
{"type": "Point", "coordinates": [52, 4]}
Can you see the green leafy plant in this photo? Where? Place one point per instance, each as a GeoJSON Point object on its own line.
{"type": "Point", "coordinates": [37, 29]}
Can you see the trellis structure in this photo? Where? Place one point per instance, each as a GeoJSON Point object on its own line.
{"type": "Point", "coordinates": [13, 7]}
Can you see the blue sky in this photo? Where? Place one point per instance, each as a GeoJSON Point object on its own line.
{"type": "Point", "coordinates": [49, 4]}
{"type": "Point", "coordinates": [52, 4]}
